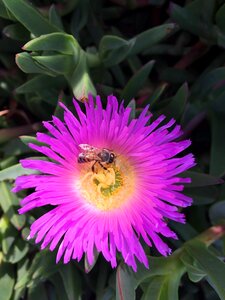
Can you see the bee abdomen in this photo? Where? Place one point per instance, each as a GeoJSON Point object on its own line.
{"type": "Point", "coordinates": [82, 158]}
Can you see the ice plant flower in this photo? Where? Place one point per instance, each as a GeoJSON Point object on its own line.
{"type": "Point", "coordinates": [107, 206]}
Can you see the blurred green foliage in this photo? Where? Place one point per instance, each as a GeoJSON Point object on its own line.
{"type": "Point", "coordinates": [168, 55]}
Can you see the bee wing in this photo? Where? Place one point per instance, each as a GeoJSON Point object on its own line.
{"type": "Point", "coordinates": [92, 156]}
{"type": "Point", "coordinates": [89, 148]}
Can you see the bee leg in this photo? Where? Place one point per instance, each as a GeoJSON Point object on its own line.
{"type": "Point", "coordinates": [102, 165]}
{"type": "Point", "coordinates": [93, 167]}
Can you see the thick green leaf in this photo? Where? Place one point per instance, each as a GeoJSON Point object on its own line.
{"type": "Point", "coordinates": [60, 291]}
{"type": "Point", "coordinates": [195, 273]}
{"type": "Point", "coordinates": [15, 171]}
{"type": "Point", "coordinates": [217, 212]}
{"type": "Point", "coordinates": [209, 263]}
{"type": "Point", "coordinates": [132, 105]}
{"type": "Point", "coordinates": [175, 107]}
{"type": "Point", "coordinates": [217, 159]}
{"type": "Point", "coordinates": [26, 139]}
{"type": "Point", "coordinates": [55, 18]}
{"type": "Point", "coordinates": [28, 65]}
{"type": "Point", "coordinates": [58, 41]}
{"type": "Point", "coordinates": [8, 162]}
{"type": "Point", "coordinates": [125, 285]}
{"type": "Point", "coordinates": [156, 94]}
{"type": "Point", "coordinates": [205, 14]}
{"type": "Point", "coordinates": [14, 148]}
{"type": "Point", "coordinates": [114, 49]}
{"type": "Point", "coordinates": [202, 195]}
{"type": "Point", "coordinates": [197, 26]}
{"type": "Point", "coordinates": [80, 17]}
{"type": "Point", "coordinates": [43, 266]}
{"type": "Point", "coordinates": [5, 13]}
{"type": "Point", "coordinates": [80, 81]}
{"type": "Point", "coordinates": [38, 292]}
{"type": "Point", "coordinates": [157, 289]}
{"type": "Point", "coordinates": [136, 82]}
{"type": "Point", "coordinates": [22, 268]}
{"type": "Point", "coordinates": [200, 179]}
{"type": "Point", "coordinates": [220, 20]}
{"type": "Point", "coordinates": [58, 64]}
{"type": "Point", "coordinates": [30, 17]}
{"type": "Point", "coordinates": [16, 32]}
{"type": "Point", "coordinates": [71, 280]}
{"type": "Point", "coordinates": [207, 84]}
{"type": "Point", "coordinates": [87, 266]}
{"type": "Point", "coordinates": [7, 280]}
{"type": "Point", "coordinates": [18, 251]}
{"type": "Point", "coordinates": [41, 82]}
{"type": "Point", "coordinates": [151, 37]}
{"type": "Point", "coordinates": [8, 203]}
{"type": "Point", "coordinates": [9, 235]}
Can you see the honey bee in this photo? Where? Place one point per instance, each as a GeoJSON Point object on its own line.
{"type": "Point", "coordinates": [100, 156]}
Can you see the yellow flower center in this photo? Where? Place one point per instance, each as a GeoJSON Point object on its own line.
{"type": "Point", "coordinates": [107, 187]}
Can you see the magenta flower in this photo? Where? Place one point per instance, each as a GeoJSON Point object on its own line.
{"type": "Point", "coordinates": [101, 202]}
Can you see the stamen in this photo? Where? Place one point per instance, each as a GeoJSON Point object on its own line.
{"type": "Point", "coordinates": [107, 188]}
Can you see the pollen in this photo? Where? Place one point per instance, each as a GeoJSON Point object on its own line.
{"type": "Point", "coordinates": [107, 189]}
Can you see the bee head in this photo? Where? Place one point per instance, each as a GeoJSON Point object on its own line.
{"type": "Point", "coordinates": [112, 156]}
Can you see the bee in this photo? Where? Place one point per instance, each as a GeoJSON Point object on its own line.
{"type": "Point", "coordinates": [100, 156]}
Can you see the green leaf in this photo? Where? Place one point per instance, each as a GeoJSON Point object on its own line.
{"type": "Point", "coordinates": [206, 14]}
{"type": "Point", "coordinates": [87, 266]}
{"type": "Point", "coordinates": [7, 280]}
{"type": "Point", "coordinates": [18, 251]}
{"type": "Point", "coordinates": [175, 107]}
{"type": "Point", "coordinates": [157, 289]}
{"type": "Point", "coordinates": [30, 17]}
{"type": "Point", "coordinates": [220, 20]}
{"type": "Point", "coordinates": [41, 82]}
{"type": "Point", "coordinates": [58, 41]}
{"type": "Point", "coordinates": [43, 266]}
{"type": "Point", "coordinates": [55, 18]}
{"type": "Point", "coordinates": [125, 287]}
{"type": "Point", "coordinates": [151, 37]}
{"type": "Point", "coordinates": [209, 263]}
{"type": "Point", "coordinates": [202, 195]}
{"type": "Point", "coordinates": [200, 179]}
{"type": "Point", "coordinates": [132, 105]}
{"type": "Point", "coordinates": [57, 281]}
{"type": "Point", "coordinates": [165, 287]}
{"type": "Point", "coordinates": [58, 64]}
{"type": "Point", "coordinates": [195, 273]}
{"type": "Point", "coordinates": [22, 268]}
{"type": "Point", "coordinates": [80, 81]}
{"type": "Point", "coordinates": [14, 148]}
{"type": "Point", "coordinates": [192, 22]}
{"type": "Point", "coordinates": [15, 171]}
{"type": "Point", "coordinates": [80, 17]}
{"type": "Point", "coordinates": [28, 65]}
{"type": "Point", "coordinates": [113, 49]}
{"type": "Point", "coordinates": [217, 159]}
{"type": "Point", "coordinates": [5, 13]}
{"type": "Point", "coordinates": [217, 212]}
{"type": "Point", "coordinates": [26, 139]}
{"type": "Point", "coordinates": [8, 203]}
{"type": "Point", "coordinates": [71, 280]}
{"type": "Point", "coordinates": [38, 292]}
{"type": "Point", "coordinates": [156, 94]}
{"type": "Point", "coordinates": [207, 84]}
{"type": "Point", "coordinates": [136, 82]}
{"type": "Point", "coordinates": [9, 235]}
{"type": "Point", "coordinates": [16, 32]}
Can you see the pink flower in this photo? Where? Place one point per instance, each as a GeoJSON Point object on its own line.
{"type": "Point", "coordinates": [112, 206]}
